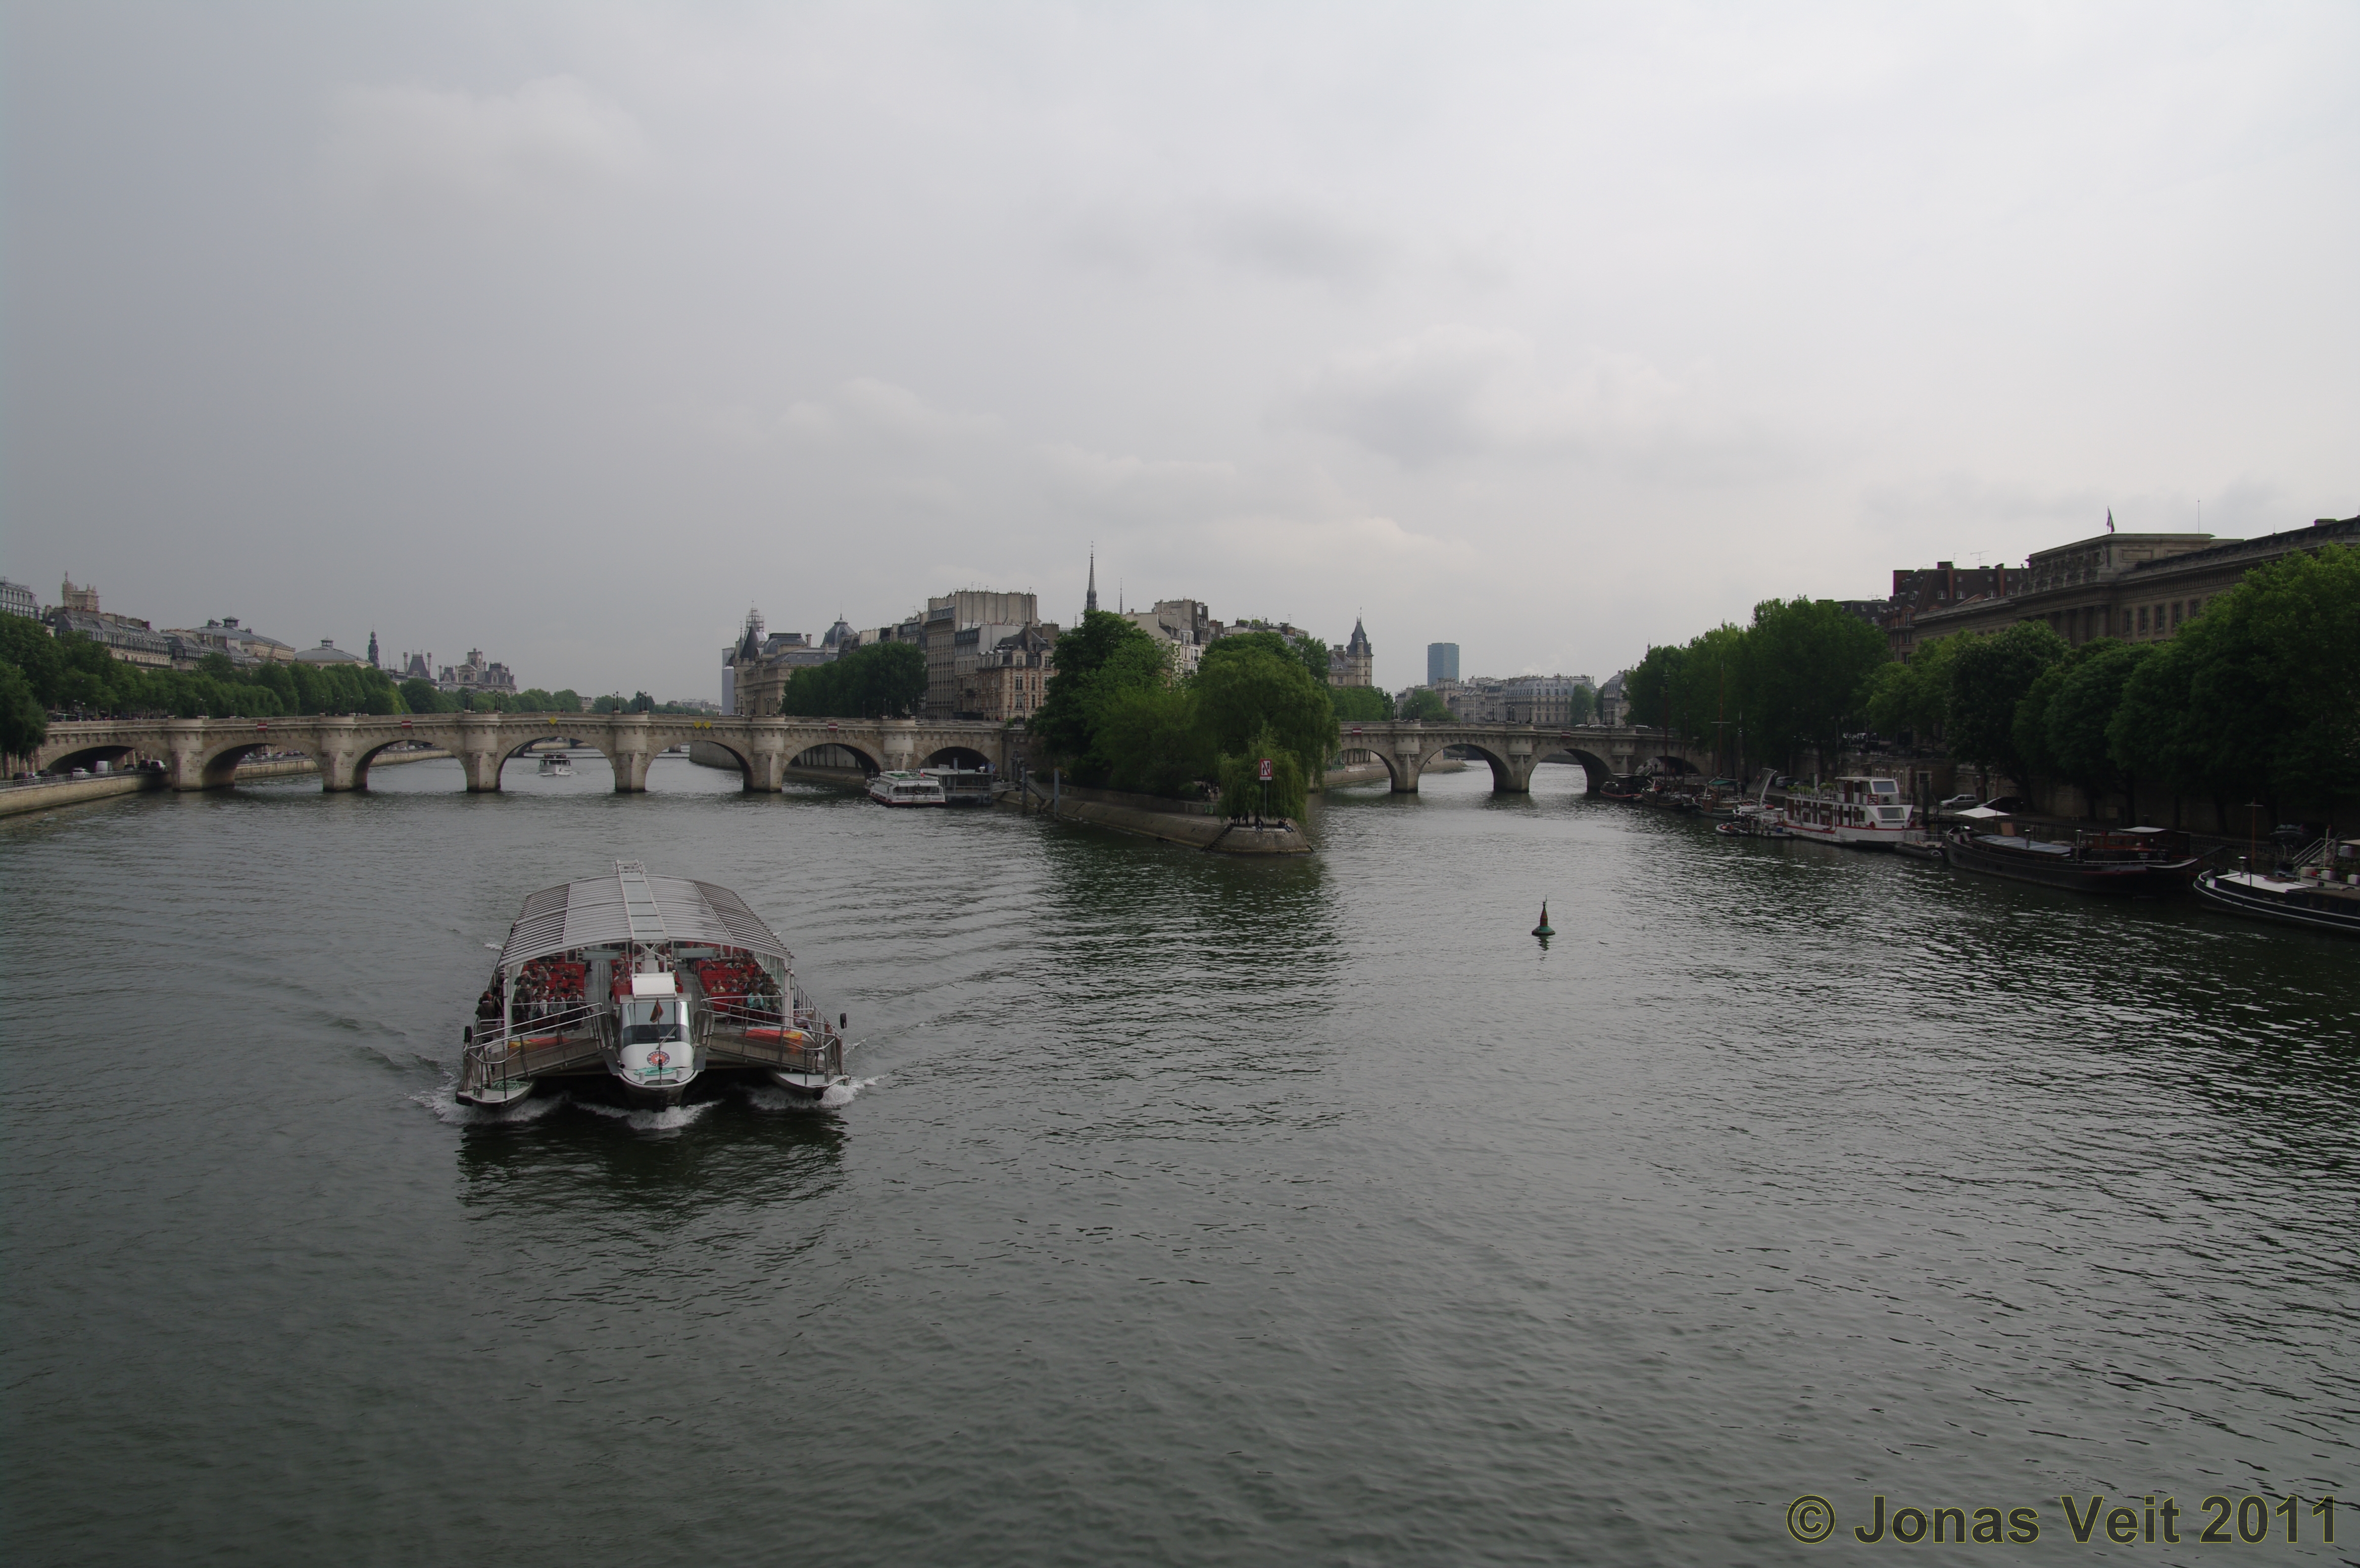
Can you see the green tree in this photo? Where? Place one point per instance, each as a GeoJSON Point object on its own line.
{"type": "Point", "coordinates": [1653, 688]}
{"type": "Point", "coordinates": [1095, 660]}
{"type": "Point", "coordinates": [420, 696]}
{"type": "Point", "coordinates": [1242, 791]}
{"type": "Point", "coordinates": [22, 723]}
{"type": "Point", "coordinates": [884, 680]}
{"type": "Point", "coordinates": [1912, 698]}
{"type": "Point", "coordinates": [1988, 679]}
{"type": "Point", "coordinates": [2258, 697]}
{"type": "Point", "coordinates": [1360, 705]}
{"type": "Point", "coordinates": [2079, 712]}
{"type": "Point", "coordinates": [1808, 663]}
{"type": "Point", "coordinates": [1424, 705]}
{"type": "Point", "coordinates": [1153, 740]}
{"type": "Point", "coordinates": [1246, 689]}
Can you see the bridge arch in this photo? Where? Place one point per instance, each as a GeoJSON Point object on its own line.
{"type": "Point", "coordinates": [957, 757]}
{"type": "Point", "coordinates": [865, 757]}
{"type": "Point", "coordinates": [1505, 780]}
{"type": "Point", "coordinates": [217, 765]}
{"type": "Point", "coordinates": [66, 761]}
{"type": "Point", "coordinates": [1594, 769]}
{"type": "Point", "coordinates": [1672, 763]}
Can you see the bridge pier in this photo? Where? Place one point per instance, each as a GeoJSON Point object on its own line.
{"type": "Point", "coordinates": [1513, 774]}
{"type": "Point", "coordinates": [481, 751]}
{"type": "Point", "coordinates": [184, 756]}
{"type": "Point", "coordinates": [1408, 762]}
{"type": "Point", "coordinates": [631, 752]}
{"type": "Point", "coordinates": [766, 772]}
{"type": "Point", "coordinates": [338, 754]}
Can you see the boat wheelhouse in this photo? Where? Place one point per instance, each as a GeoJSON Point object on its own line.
{"type": "Point", "coordinates": [646, 984]}
{"type": "Point", "coordinates": [1860, 810]}
{"type": "Point", "coordinates": [903, 788]}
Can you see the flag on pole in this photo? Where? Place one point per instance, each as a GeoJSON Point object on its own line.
{"type": "Point", "coordinates": [2110, 520]}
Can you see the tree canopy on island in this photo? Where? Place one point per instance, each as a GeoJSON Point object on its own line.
{"type": "Point", "coordinates": [1114, 713]}
{"type": "Point", "coordinates": [884, 680]}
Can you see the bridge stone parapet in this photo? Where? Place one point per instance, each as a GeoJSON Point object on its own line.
{"type": "Point", "coordinates": [1513, 750]}
{"type": "Point", "coordinates": [203, 753]}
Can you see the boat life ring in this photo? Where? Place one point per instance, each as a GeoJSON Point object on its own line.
{"type": "Point", "coordinates": [658, 1061]}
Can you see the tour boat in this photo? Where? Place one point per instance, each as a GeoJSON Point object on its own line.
{"type": "Point", "coordinates": [646, 985]}
{"type": "Point", "coordinates": [2321, 897]}
{"type": "Point", "coordinates": [556, 765]}
{"type": "Point", "coordinates": [2152, 861]}
{"type": "Point", "coordinates": [1856, 810]}
{"type": "Point", "coordinates": [904, 788]}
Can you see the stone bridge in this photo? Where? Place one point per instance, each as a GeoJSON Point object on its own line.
{"type": "Point", "coordinates": [1513, 750]}
{"type": "Point", "coordinates": [203, 753]}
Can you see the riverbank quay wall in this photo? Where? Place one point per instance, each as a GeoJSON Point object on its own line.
{"type": "Point", "coordinates": [204, 754]}
{"type": "Point", "coordinates": [1172, 821]}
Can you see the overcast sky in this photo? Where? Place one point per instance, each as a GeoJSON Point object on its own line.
{"type": "Point", "coordinates": [569, 332]}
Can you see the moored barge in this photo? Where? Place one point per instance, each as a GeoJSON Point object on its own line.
{"type": "Point", "coordinates": [2145, 862]}
{"type": "Point", "coordinates": [646, 986]}
{"type": "Point", "coordinates": [2325, 897]}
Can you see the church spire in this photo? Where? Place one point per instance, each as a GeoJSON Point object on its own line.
{"type": "Point", "coordinates": [1090, 600]}
{"type": "Point", "coordinates": [373, 660]}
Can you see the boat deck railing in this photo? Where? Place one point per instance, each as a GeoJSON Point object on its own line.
{"type": "Point", "coordinates": [768, 1037]}
{"type": "Point", "coordinates": [557, 1042]}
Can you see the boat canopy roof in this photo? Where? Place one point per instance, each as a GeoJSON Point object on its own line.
{"type": "Point", "coordinates": [632, 906]}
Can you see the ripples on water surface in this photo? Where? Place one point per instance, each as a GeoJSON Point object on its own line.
{"type": "Point", "coordinates": [1198, 1212]}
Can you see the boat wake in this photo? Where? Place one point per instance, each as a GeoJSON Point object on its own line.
{"type": "Point", "coordinates": [444, 1103]}
{"type": "Point", "coordinates": [764, 1097]}
{"type": "Point", "coordinates": [669, 1119]}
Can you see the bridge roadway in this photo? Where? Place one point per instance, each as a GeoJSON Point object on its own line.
{"type": "Point", "coordinates": [203, 753]}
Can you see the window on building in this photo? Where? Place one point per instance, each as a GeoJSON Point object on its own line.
{"type": "Point", "coordinates": [2175, 615]}
{"type": "Point", "coordinates": [2142, 618]}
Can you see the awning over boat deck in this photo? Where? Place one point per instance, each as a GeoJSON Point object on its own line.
{"type": "Point", "coordinates": [632, 906]}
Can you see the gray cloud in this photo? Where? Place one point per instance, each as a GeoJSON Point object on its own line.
{"type": "Point", "coordinates": [1552, 331]}
{"type": "Point", "coordinates": [413, 148]}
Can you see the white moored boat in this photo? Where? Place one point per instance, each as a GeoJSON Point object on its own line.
{"type": "Point", "coordinates": [1864, 812]}
{"type": "Point", "coordinates": [556, 765]}
{"type": "Point", "coordinates": [903, 788]}
{"type": "Point", "coordinates": [647, 985]}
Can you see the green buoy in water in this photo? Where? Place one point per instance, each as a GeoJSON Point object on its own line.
{"type": "Point", "coordinates": [1544, 928]}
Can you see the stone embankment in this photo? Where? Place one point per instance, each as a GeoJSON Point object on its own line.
{"type": "Point", "coordinates": [1172, 821]}
{"type": "Point", "coordinates": [48, 795]}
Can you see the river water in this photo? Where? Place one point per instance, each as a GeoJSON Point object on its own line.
{"type": "Point", "coordinates": [1193, 1210]}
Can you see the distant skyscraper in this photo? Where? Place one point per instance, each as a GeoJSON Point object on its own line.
{"type": "Point", "coordinates": [1441, 663]}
